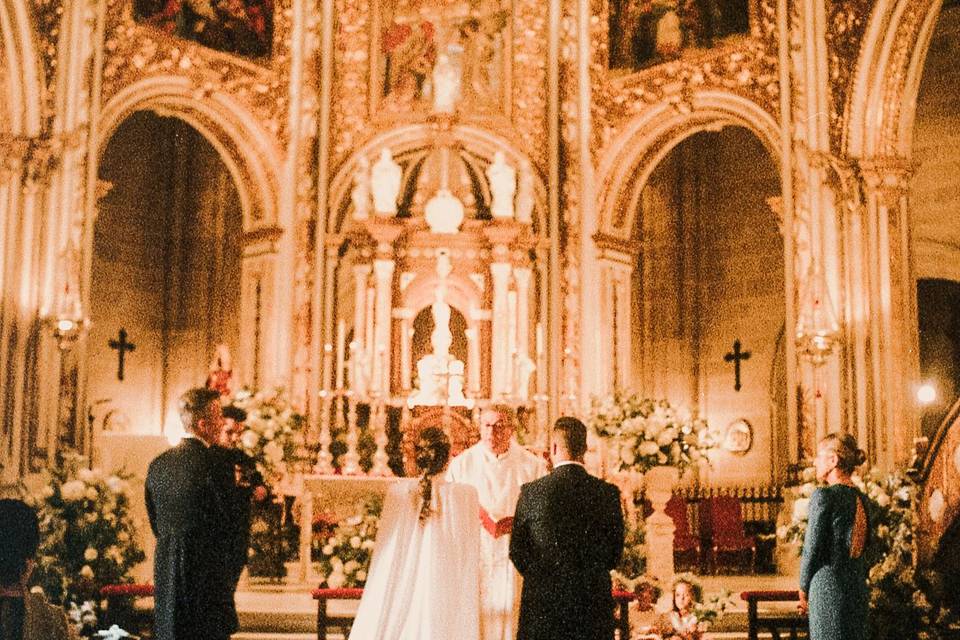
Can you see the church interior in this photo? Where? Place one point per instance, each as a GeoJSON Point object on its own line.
{"type": "Point", "coordinates": [358, 219]}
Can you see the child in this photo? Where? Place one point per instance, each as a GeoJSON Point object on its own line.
{"type": "Point", "coordinates": [681, 623]}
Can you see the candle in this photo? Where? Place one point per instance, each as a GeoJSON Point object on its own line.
{"type": "Point", "coordinates": [341, 348]}
{"type": "Point", "coordinates": [327, 362]}
{"type": "Point", "coordinates": [539, 342]}
{"type": "Point", "coordinates": [473, 361]}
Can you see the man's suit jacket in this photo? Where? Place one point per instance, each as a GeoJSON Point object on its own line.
{"type": "Point", "coordinates": [237, 497]}
{"type": "Point", "coordinates": [567, 536]}
{"type": "Point", "coordinates": [194, 521]}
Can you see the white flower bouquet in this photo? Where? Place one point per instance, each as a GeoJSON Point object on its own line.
{"type": "Point", "coordinates": [87, 537]}
{"type": "Point", "coordinates": [647, 433]}
{"type": "Point", "coordinates": [272, 432]}
{"type": "Point", "coordinates": [345, 552]}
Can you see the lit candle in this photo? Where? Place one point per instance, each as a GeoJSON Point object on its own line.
{"type": "Point", "coordinates": [341, 348]}
{"type": "Point", "coordinates": [539, 342]}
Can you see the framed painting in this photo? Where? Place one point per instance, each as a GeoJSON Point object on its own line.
{"type": "Point", "coordinates": [644, 33]}
{"type": "Point", "coordinates": [241, 27]}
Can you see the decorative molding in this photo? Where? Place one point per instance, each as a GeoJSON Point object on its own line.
{"type": "Point", "coordinates": [846, 26]}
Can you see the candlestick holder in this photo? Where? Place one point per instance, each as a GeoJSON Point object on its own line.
{"type": "Point", "coordinates": [380, 458]}
{"type": "Point", "coordinates": [351, 459]}
{"type": "Point", "coordinates": [324, 464]}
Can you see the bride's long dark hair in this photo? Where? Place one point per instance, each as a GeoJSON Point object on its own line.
{"type": "Point", "coordinates": [430, 454]}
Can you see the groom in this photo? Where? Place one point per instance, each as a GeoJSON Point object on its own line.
{"type": "Point", "coordinates": [567, 536]}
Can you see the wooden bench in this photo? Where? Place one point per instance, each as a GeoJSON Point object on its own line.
{"type": "Point", "coordinates": [774, 621]}
{"type": "Point", "coordinates": [343, 623]}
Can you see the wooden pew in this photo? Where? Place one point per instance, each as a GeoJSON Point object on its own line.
{"type": "Point", "coordinates": [777, 622]}
{"type": "Point", "coordinates": [343, 623]}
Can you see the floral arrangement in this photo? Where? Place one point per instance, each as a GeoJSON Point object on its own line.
{"type": "Point", "coordinates": [87, 537]}
{"type": "Point", "coordinates": [272, 432]}
{"type": "Point", "coordinates": [903, 600]}
{"type": "Point", "coordinates": [345, 554]}
{"type": "Point", "coordinates": [650, 433]}
{"type": "Point", "coordinates": [83, 618]}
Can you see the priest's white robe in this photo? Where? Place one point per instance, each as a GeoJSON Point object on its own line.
{"type": "Point", "coordinates": [424, 578]}
{"type": "Point", "coordinates": [497, 480]}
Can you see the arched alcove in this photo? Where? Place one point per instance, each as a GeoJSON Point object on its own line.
{"type": "Point", "coordinates": [935, 188]}
{"type": "Point", "coordinates": [708, 294]}
{"type": "Point", "coordinates": [166, 269]}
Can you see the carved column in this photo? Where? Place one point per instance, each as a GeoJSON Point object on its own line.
{"type": "Point", "coordinates": [886, 296]}
{"type": "Point", "coordinates": [522, 276]}
{"type": "Point", "coordinates": [383, 273]}
{"type": "Point", "coordinates": [358, 380]}
{"type": "Point", "coordinates": [500, 360]}
{"type": "Point", "coordinates": [257, 311]}
{"type": "Point", "coordinates": [615, 262]}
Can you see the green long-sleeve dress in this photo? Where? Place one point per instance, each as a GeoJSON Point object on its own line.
{"type": "Point", "coordinates": [835, 583]}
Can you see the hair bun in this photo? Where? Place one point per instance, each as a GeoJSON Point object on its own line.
{"type": "Point", "coordinates": [860, 456]}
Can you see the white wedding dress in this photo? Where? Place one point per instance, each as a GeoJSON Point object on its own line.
{"type": "Point", "coordinates": [424, 580]}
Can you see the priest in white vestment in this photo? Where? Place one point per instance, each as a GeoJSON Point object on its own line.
{"type": "Point", "coordinates": [497, 467]}
{"type": "Point", "coordinates": [424, 578]}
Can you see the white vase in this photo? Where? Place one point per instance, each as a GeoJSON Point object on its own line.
{"type": "Point", "coordinates": [659, 539]}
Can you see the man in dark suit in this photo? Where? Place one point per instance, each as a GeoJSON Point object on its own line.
{"type": "Point", "coordinates": [567, 536]}
{"type": "Point", "coordinates": [192, 513]}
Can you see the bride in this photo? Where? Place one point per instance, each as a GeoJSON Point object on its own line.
{"type": "Point", "coordinates": [424, 578]}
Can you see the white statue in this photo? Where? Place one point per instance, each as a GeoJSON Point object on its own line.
{"type": "Point", "coordinates": [525, 195]}
{"type": "Point", "coordinates": [440, 375]}
{"type": "Point", "coordinates": [385, 183]}
{"type": "Point", "coordinates": [503, 184]}
{"type": "Point", "coordinates": [360, 195]}
{"type": "Point", "coordinates": [525, 369]}
{"type": "Point", "coordinates": [446, 85]}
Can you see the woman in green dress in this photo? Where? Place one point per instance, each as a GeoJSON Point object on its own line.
{"type": "Point", "coordinates": [833, 571]}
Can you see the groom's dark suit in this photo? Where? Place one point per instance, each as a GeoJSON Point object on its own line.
{"type": "Point", "coordinates": [567, 536]}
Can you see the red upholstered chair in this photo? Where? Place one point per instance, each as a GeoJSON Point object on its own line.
{"type": "Point", "coordinates": [722, 524]}
{"type": "Point", "coordinates": [684, 542]}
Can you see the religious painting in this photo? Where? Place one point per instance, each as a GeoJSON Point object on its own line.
{"type": "Point", "coordinates": [428, 46]}
{"type": "Point", "coordinates": [242, 27]}
{"type": "Point", "coordinates": [644, 33]}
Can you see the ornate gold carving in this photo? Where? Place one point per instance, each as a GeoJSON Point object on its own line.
{"type": "Point", "coordinates": [846, 24]}
{"type": "Point", "coordinates": [134, 53]}
{"type": "Point", "coordinates": [351, 68]}
{"type": "Point", "coordinates": [48, 17]}
{"type": "Point", "coordinates": [748, 68]}
{"type": "Point", "coordinates": [888, 177]}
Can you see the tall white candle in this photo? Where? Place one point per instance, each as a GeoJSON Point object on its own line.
{"type": "Point", "coordinates": [341, 349]}
{"type": "Point", "coordinates": [473, 361]}
{"type": "Point", "coordinates": [327, 363]}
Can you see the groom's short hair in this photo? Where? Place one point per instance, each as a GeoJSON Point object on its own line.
{"type": "Point", "coordinates": [572, 433]}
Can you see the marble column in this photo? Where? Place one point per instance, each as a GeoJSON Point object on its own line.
{"type": "Point", "coordinates": [361, 273]}
{"type": "Point", "coordinates": [500, 357]}
{"type": "Point", "coordinates": [887, 366]}
{"type": "Point", "coordinates": [522, 277]}
{"type": "Point", "coordinates": [383, 273]}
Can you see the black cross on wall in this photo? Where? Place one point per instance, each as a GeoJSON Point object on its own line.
{"type": "Point", "coordinates": [122, 346]}
{"type": "Point", "coordinates": [736, 357]}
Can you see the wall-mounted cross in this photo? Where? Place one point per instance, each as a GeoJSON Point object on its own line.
{"type": "Point", "coordinates": [122, 346]}
{"type": "Point", "coordinates": [736, 357]}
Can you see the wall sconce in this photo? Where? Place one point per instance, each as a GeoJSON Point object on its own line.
{"type": "Point", "coordinates": [818, 333]}
{"type": "Point", "coordinates": [68, 323]}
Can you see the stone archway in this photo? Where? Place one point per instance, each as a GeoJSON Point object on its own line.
{"type": "Point", "coordinates": [255, 165]}
{"type": "Point", "coordinates": [883, 97]}
{"type": "Point", "coordinates": [626, 165]}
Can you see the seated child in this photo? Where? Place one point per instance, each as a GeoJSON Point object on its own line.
{"type": "Point", "coordinates": [681, 622]}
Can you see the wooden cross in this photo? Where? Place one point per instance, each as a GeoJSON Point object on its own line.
{"type": "Point", "coordinates": [122, 346]}
{"type": "Point", "coordinates": [736, 357]}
